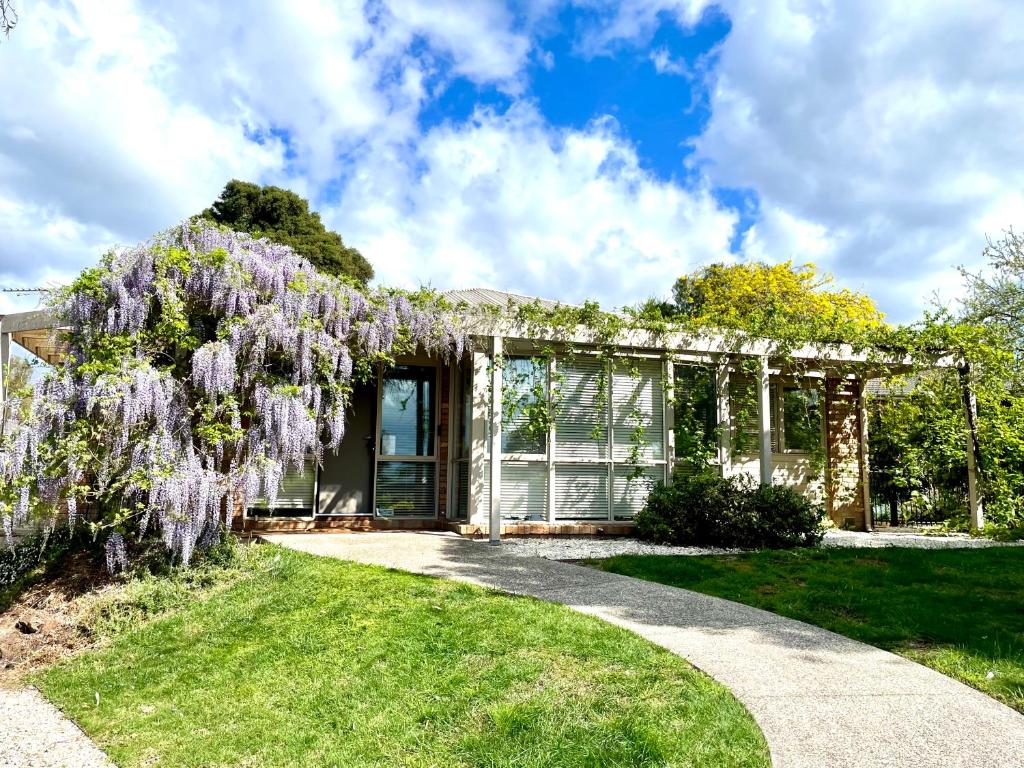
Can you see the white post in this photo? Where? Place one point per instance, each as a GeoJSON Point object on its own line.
{"type": "Point", "coordinates": [5, 362]}
{"type": "Point", "coordinates": [669, 411]}
{"type": "Point", "coordinates": [764, 420]}
{"type": "Point", "coordinates": [551, 393]}
{"type": "Point", "coordinates": [723, 418]}
{"type": "Point", "coordinates": [975, 508]}
{"type": "Point", "coordinates": [494, 525]}
{"type": "Point", "coordinates": [865, 467]}
{"type": "Point", "coordinates": [480, 387]}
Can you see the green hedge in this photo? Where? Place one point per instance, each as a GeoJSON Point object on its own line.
{"type": "Point", "coordinates": [712, 511]}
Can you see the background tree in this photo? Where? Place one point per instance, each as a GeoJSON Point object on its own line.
{"type": "Point", "coordinates": [8, 17]}
{"type": "Point", "coordinates": [284, 217]}
{"type": "Point", "coordinates": [995, 298]}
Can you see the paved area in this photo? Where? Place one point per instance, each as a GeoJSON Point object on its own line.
{"type": "Point", "coordinates": [821, 700]}
{"type": "Point", "coordinates": [35, 734]}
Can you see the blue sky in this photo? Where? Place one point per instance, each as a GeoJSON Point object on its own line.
{"type": "Point", "coordinates": [582, 149]}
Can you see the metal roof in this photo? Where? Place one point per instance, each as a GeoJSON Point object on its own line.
{"type": "Point", "coordinates": [488, 297]}
{"type": "Point", "coordinates": [897, 387]}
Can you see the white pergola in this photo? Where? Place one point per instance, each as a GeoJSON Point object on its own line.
{"type": "Point", "coordinates": [33, 331]}
{"type": "Point", "coordinates": [841, 360]}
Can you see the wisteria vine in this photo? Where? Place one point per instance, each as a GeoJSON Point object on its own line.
{"type": "Point", "coordinates": [200, 366]}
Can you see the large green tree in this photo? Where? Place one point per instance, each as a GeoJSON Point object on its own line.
{"type": "Point", "coordinates": [284, 217]}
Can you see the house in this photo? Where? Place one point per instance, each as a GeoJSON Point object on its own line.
{"type": "Point", "coordinates": [582, 433]}
{"type": "Point", "coordinates": [420, 440]}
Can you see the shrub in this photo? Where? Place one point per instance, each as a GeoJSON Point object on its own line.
{"type": "Point", "coordinates": [708, 510]}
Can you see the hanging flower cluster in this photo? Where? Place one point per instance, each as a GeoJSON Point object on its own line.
{"type": "Point", "coordinates": [201, 366]}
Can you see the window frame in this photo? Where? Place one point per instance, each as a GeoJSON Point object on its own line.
{"type": "Point", "coordinates": [779, 411]}
{"type": "Point", "coordinates": [525, 456]}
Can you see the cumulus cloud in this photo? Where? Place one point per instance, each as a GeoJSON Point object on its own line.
{"type": "Point", "coordinates": [150, 108]}
{"type": "Point", "coordinates": [664, 64]}
{"type": "Point", "coordinates": [881, 138]}
{"type": "Point", "coordinates": [878, 139]}
{"type": "Point", "coordinates": [508, 201]}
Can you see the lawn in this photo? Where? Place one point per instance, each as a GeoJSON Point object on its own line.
{"type": "Point", "coordinates": [960, 612]}
{"type": "Point", "coordinates": [318, 662]}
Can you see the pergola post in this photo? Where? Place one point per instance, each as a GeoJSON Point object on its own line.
{"type": "Point", "coordinates": [479, 479]}
{"type": "Point", "coordinates": [764, 421]}
{"type": "Point", "coordinates": [723, 418]}
{"type": "Point", "coordinates": [494, 522]}
{"type": "Point", "coordinates": [976, 510]}
{"type": "Point", "coordinates": [865, 467]}
{"type": "Point", "coordinates": [5, 361]}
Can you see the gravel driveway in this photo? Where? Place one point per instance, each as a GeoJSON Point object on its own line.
{"type": "Point", "coordinates": [591, 547]}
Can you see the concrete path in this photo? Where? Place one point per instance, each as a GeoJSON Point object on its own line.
{"type": "Point", "coordinates": [35, 734]}
{"type": "Point", "coordinates": [821, 699]}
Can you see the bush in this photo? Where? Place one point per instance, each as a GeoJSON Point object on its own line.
{"type": "Point", "coordinates": [31, 555]}
{"type": "Point", "coordinates": [712, 511]}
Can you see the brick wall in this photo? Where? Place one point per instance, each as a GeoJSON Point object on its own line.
{"type": "Point", "coordinates": [845, 501]}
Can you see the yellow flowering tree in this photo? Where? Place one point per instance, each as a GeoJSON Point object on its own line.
{"type": "Point", "coordinates": [781, 301]}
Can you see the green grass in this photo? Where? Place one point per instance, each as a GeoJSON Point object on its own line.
{"type": "Point", "coordinates": [318, 662]}
{"type": "Point", "coordinates": [960, 612]}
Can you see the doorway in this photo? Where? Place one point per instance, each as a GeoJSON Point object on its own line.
{"type": "Point", "coordinates": [406, 450]}
{"type": "Point", "coordinates": [346, 481]}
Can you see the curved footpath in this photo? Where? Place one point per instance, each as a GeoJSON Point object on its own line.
{"type": "Point", "coordinates": [820, 699]}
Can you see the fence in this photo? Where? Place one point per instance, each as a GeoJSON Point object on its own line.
{"type": "Point", "coordinates": [929, 505]}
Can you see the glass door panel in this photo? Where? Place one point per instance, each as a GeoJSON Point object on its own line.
{"type": "Point", "coordinates": [406, 463]}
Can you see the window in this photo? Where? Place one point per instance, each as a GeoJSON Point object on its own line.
{"type": "Point", "coordinates": [407, 412]}
{"type": "Point", "coordinates": [297, 495]}
{"type": "Point", "coordinates": [524, 395]}
{"type": "Point", "coordinates": [695, 410]}
{"type": "Point", "coordinates": [801, 419]}
{"type": "Point", "coordinates": [796, 408]}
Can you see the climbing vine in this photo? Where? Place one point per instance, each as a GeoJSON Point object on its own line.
{"type": "Point", "coordinates": [200, 366]}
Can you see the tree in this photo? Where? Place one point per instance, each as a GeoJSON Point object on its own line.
{"type": "Point", "coordinates": [284, 217]}
{"type": "Point", "coordinates": [778, 301]}
{"type": "Point", "coordinates": [996, 298]}
{"type": "Point", "coordinates": [8, 17]}
{"type": "Point", "coordinates": [17, 382]}
{"type": "Point", "coordinates": [200, 366]}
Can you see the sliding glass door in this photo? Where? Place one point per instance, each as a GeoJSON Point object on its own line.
{"type": "Point", "coordinates": [406, 454]}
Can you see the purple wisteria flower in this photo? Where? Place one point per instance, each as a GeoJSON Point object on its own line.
{"type": "Point", "coordinates": [233, 363]}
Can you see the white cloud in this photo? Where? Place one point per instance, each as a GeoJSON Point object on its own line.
{"type": "Point", "coordinates": [664, 64]}
{"type": "Point", "coordinates": [507, 201]}
{"type": "Point", "coordinates": [94, 146]}
{"type": "Point", "coordinates": [890, 129]}
{"type": "Point", "coordinates": [881, 138]}
{"type": "Point", "coordinates": [150, 109]}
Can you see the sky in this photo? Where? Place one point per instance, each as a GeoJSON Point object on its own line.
{"type": "Point", "coordinates": [569, 150]}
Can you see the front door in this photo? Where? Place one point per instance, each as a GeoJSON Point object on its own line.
{"type": "Point", "coordinates": [406, 449]}
{"type": "Point", "coordinates": [346, 482]}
